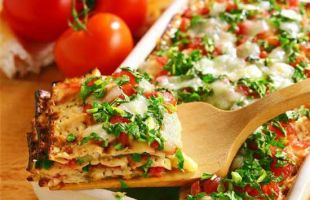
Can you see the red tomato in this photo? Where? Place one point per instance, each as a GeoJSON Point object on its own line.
{"type": "Point", "coordinates": [284, 171]}
{"type": "Point", "coordinates": [155, 144]}
{"type": "Point", "coordinates": [271, 188]}
{"type": "Point", "coordinates": [210, 186]}
{"type": "Point", "coordinates": [118, 119]}
{"type": "Point", "coordinates": [156, 171]}
{"type": "Point", "coordinates": [123, 139]}
{"type": "Point", "coordinates": [36, 20]}
{"type": "Point", "coordinates": [133, 12]}
{"type": "Point", "coordinates": [128, 89]}
{"type": "Point", "coordinates": [251, 191]}
{"type": "Point", "coordinates": [169, 98]}
{"type": "Point", "coordinates": [195, 188]}
{"type": "Point", "coordinates": [105, 44]}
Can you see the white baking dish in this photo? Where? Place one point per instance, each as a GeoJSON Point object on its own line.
{"type": "Point", "coordinates": [301, 189]}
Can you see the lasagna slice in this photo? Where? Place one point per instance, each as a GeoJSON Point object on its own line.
{"type": "Point", "coordinates": [96, 128]}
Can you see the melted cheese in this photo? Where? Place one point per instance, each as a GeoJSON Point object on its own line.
{"type": "Point", "coordinates": [136, 106]}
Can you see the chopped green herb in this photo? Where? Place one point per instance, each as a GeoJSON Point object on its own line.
{"type": "Point", "coordinates": [180, 158]}
{"type": "Point", "coordinates": [71, 137]}
{"type": "Point", "coordinates": [123, 184]}
{"type": "Point", "coordinates": [136, 157]}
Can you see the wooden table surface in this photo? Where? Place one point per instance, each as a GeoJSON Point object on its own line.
{"type": "Point", "coordinates": [16, 112]}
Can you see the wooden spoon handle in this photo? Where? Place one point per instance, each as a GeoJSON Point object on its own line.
{"type": "Point", "coordinates": [278, 102]}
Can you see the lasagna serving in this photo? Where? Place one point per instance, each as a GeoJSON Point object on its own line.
{"type": "Point", "coordinates": [230, 53]}
{"type": "Point", "coordinates": [96, 128]}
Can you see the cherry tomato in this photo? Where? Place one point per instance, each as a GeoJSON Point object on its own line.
{"type": "Point", "coordinates": [133, 12]}
{"type": "Point", "coordinates": [211, 185]}
{"type": "Point", "coordinates": [37, 20]}
{"type": "Point", "coordinates": [156, 171]}
{"type": "Point", "coordinates": [284, 171]}
{"type": "Point", "coordinates": [123, 139]}
{"type": "Point", "coordinates": [271, 188]}
{"type": "Point", "coordinates": [118, 119]}
{"type": "Point", "coordinates": [195, 188]}
{"type": "Point", "coordinates": [105, 44]}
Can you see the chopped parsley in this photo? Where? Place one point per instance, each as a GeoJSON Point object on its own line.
{"type": "Point", "coordinates": [71, 137]}
{"type": "Point", "coordinates": [180, 158]}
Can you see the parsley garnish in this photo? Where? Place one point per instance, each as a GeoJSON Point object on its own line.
{"type": "Point", "coordinates": [71, 137]}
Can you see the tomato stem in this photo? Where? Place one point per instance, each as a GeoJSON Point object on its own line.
{"type": "Point", "coordinates": [77, 24]}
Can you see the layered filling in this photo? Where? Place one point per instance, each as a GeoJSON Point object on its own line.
{"type": "Point", "coordinates": [229, 54]}
{"type": "Point", "coordinates": [99, 127]}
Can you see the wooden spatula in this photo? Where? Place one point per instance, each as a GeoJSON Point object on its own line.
{"type": "Point", "coordinates": [212, 137]}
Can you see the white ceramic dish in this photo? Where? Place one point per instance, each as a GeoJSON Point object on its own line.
{"type": "Point", "coordinates": [301, 189]}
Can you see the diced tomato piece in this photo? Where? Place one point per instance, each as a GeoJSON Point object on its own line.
{"type": "Point", "coordinates": [156, 171]}
{"type": "Point", "coordinates": [307, 72]}
{"type": "Point", "coordinates": [306, 49]}
{"type": "Point", "coordinates": [277, 131]}
{"type": "Point", "coordinates": [150, 94]}
{"type": "Point", "coordinates": [204, 11]}
{"type": "Point", "coordinates": [188, 13]}
{"type": "Point", "coordinates": [72, 163]}
{"type": "Point", "coordinates": [91, 83]}
{"type": "Point", "coordinates": [298, 60]}
{"type": "Point", "coordinates": [293, 3]}
{"type": "Point", "coordinates": [132, 78]}
{"type": "Point", "coordinates": [241, 41]}
{"type": "Point", "coordinates": [247, 91]}
{"type": "Point", "coordinates": [262, 35]}
{"type": "Point", "coordinates": [243, 29]}
{"type": "Point", "coordinates": [263, 54]}
{"type": "Point", "coordinates": [169, 98]}
{"type": "Point", "coordinates": [86, 107]}
{"type": "Point", "coordinates": [230, 6]}
{"type": "Point", "coordinates": [195, 188]}
{"type": "Point", "coordinates": [217, 52]}
{"type": "Point", "coordinates": [274, 41]}
{"type": "Point", "coordinates": [162, 73]}
{"type": "Point", "coordinates": [128, 89]}
{"type": "Point", "coordinates": [285, 171]}
{"type": "Point", "coordinates": [251, 191]}
{"type": "Point", "coordinates": [155, 144]}
{"type": "Point", "coordinates": [118, 119]}
{"type": "Point", "coordinates": [162, 60]}
{"type": "Point", "coordinates": [184, 24]}
{"type": "Point", "coordinates": [271, 188]}
{"type": "Point", "coordinates": [123, 139]}
{"type": "Point", "coordinates": [210, 186]}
